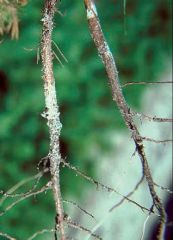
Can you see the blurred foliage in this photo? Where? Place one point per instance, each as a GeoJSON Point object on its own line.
{"type": "Point", "coordinates": [140, 42]}
{"type": "Point", "coordinates": [9, 22]}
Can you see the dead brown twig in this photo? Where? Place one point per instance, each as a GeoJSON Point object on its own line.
{"type": "Point", "coordinates": [112, 73]}
{"type": "Point", "coordinates": [81, 228]}
{"type": "Point", "coordinates": [109, 189]}
{"type": "Point", "coordinates": [128, 195]}
{"type": "Point", "coordinates": [77, 206]}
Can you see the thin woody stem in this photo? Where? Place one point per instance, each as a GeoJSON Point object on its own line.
{"type": "Point", "coordinates": [145, 83]}
{"type": "Point", "coordinates": [112, 73]}
{"type": "Point", "coordinates": [52, 110]}
{"type": "Point", "coordinates": [5, 235]}
{"type": "Point", "coordinates": [149, 118]}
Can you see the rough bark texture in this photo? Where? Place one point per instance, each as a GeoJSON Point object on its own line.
{"type": "Point", "coordinates": [112, 73]}
{"type": "Point", "coordinates": [51, 110]}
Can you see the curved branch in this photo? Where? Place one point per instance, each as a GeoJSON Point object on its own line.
{"type": "Point", "coordinates": [112, 73]}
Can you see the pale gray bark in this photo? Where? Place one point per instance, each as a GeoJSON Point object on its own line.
{"type": "Point", "coordinates": [52, 111]}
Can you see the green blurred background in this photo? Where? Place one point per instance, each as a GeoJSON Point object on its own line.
{"type": "Point", "coordinates": [141, 43]}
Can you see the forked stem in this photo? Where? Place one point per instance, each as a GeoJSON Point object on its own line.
{"type": "Point", "coordinates": [117, 94]}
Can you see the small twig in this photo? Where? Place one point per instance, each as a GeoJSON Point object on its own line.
{"type": "Point", "coordinates": [103, 186]}
{"type": "Point", "coordinates": [128, 195]}
{"type": "Point", "coordinates": [154, 119]}
{"type": "Point", "coordinates": [7, 236]}
{"type": "Point", "coordinates": [144, 227]}
{"type": "Point", "coordinates": [145, 83]}
{"type": "Point", "coordinates": [164, 188]}
{"type": "Point", "coordinates": [99, 224]}
{"type": "Point", "coordinates": [124, 16]}
{"type": "Point", "coordinates": [76, 205]}
{"type": "Point", "coordinates": [43, 189]}
{"type": "Point", "coordinates": [9, 193]}
{"type": "Point", "coordinates": [156, 141]}
{"type": "Point", "coordinates": [58, 59]}
{"type": "Point", "coordinates": [79, 227]}
{"type": "Point", "coordinates": [38, 55]}
{"type": "Point", "coordinates": [106, 216]}
{"type": "Point", "coordinates": [79, 172]}
{"type": "Point", "coordinates": [40, 233]}
{"type": "Point", "coordinates": [29, 49]}
{"type": "Point", "coordinates": [61, 53]}
{"type": "Point", "coordinates": [145, 222]}
{"type": "Point", "coordinates": [135, 203]}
